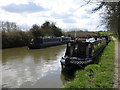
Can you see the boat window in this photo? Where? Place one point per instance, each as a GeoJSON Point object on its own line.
{"type": "Point", "coordinates": [80, 50]}
{"type": "Point", "coordinates": [38, 40]}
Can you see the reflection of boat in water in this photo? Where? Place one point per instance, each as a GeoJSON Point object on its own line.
{"type": "Point", "coordinates": [81, 52]}
{"type": "Point", "coordinates": [67, 74]}
{"type": "Point", "coordinates": [46, 42]}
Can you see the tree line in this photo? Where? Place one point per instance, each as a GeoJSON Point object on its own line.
{"type": "Point", "coordinates": [111, 16]}
{"type": "Point", "coordinates": [12, 36]}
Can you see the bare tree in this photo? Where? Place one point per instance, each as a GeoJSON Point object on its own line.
{"type": "Point", "coordinates": [8, 26]}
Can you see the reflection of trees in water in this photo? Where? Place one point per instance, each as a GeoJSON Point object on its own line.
{"type": "Point", "coordinates": [49, 53]}
{"type": "Point", "coordinates": [28, 66]}
{"type": "Point", "coordinates": [14, 53]}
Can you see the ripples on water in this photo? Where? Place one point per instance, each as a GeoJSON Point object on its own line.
{"type": "Point", "coordinates": [39, 68]}
{"type": "Point", "coordinates": [0, 69]}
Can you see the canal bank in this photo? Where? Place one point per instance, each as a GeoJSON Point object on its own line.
{"type": "Point", "coordinates": [39, 68]}
{"type": "Point", "coordinates": [96, 75]}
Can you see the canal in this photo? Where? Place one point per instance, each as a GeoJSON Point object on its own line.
{"type": "Point", "coordinates": [38, 68]}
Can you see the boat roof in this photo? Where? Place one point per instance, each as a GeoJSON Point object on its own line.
{"type": "Point", "coordinates": [91, 40]}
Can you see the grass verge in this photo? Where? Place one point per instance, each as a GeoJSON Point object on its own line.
{"type": "Point", "coordinates": [96, 75]}
{"type": "Point", "coordinates": [117, 38]}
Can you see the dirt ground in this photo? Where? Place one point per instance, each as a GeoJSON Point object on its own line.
{"type": "Point", "coordinates": [117, 65]}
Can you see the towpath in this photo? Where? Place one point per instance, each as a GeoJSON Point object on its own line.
{"type": "Point", "coordinates": [117, 64]}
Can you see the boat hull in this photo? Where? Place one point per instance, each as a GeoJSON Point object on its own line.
{"type": "Point", "coordinates": [33, 46]}
{"type": "Point", "coordinates": [47, 42]}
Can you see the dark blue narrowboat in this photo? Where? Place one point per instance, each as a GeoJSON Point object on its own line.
{"type": "Point", "coordinates": [81, 52]}
{"type": "Point", "coordinates": [46, 42]}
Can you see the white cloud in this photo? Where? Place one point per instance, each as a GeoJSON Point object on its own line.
{"type": "Point", "coordinates": [66, 13]}
{"type": "Point", "coordinates": [6, 2]}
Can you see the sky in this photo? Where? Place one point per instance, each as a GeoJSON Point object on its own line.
{"type": "Point", "coordinates": [67, 14]}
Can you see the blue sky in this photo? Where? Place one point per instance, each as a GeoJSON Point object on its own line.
{"type": "Point", "coordinates": [66, 13]}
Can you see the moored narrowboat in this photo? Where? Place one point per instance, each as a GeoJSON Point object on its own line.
{"type": "Point", "coordinates": [38, 43]}
{"type": "Point", "coordinates": [81, 52]}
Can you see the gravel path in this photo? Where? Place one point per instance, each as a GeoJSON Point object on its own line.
{"type": "Point", "coordinates": [117, 65]}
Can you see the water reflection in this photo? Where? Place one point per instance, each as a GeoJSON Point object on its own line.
{"type": "Point", "coordinates": [38, 68]}
{"type": "Point", "coordinates": [36, 54]}
{"type": "Point", "coordinates": [66, 75]}
{"type": "Point", "coordinates": [0, 69]}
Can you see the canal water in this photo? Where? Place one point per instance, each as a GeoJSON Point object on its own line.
{"type": "Point", "coordinates": [38, 68]}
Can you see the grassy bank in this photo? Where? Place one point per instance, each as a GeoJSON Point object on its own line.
{"type": "Point", "coordinates": [96, 75]}
{"type": "Point", "coordinates": [117, 38]}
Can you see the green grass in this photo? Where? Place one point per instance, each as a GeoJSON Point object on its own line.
{"type": "Point", "coordinates": [104, 32]}
{"type": "Point", "coordinates": [117, 38]}
{"type": "Point", "coordinates": [96, 75]}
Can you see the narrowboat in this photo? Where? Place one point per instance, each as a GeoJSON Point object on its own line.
{"type": "Point", "coordinates": [81, 52]}
{"type": "Point", "coordinates": [38, 43]}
